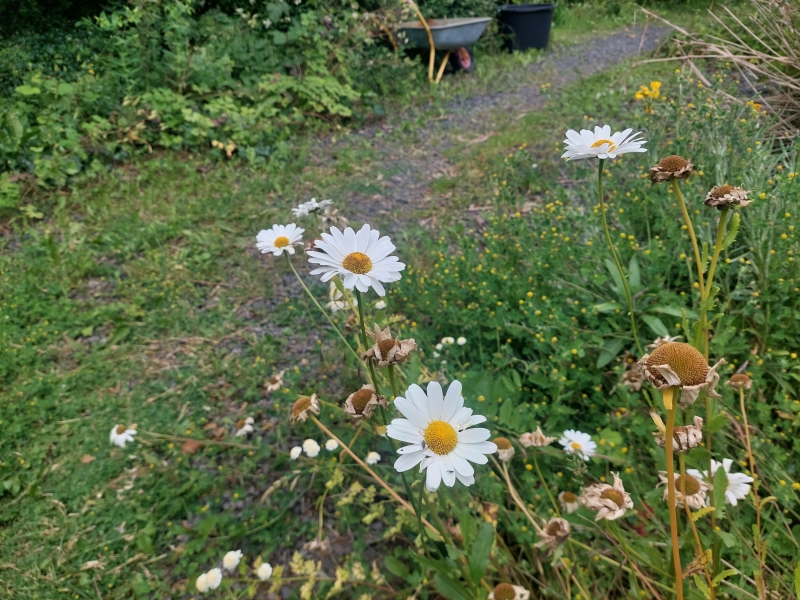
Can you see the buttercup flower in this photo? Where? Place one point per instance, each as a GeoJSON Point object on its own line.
{"type": "Point", "coordinates": [739, 380]}
{"type": "Point", "coordinates": [601, 143]}
{"type": "Point", "coordinates": [214, 578]}
{"type": "Point", "coordinates": [275, 382]}
{"type": "Point", "coordinates": [373, 458]}
{"type": "Point", "coordinates": [387, 350]}
{"type": "Point", "coordinates": [535, 439]}
{"type": "Point", "coordinates": [362, 403]}
{"type": "Point", "coordinates": [302, 407]}
{"type": "Point", "coordinates": [726, 196]}
{"type": "Point", "coordinates": [311, 448]}
{"type": "Point", "coordinates": [506, 591]}
{"type": "Point", "coordinates": [505, 451]}
{"type": "Point", "coordinates": [279, 238]}
{"type": "Point", "coordinates": [671, 167]}
{"type": "Point", "coordinates": [201, 583]}
{"type": "Point", "coordinates": [306, 208]}
{"type": "Point", "coordinates": [569, 502]}
{"type": "Point", "coordinates": [554, 533]}
{"type": "Point", "coordinates": [436, 426]}
{"type": "Point", "coordinates": [331, 445]}
{"type": "Point", "coordinates": [231, 560]}
{"type": "Point", "coordinates": [738, 483]}
{"type": "Point", "coordinates": [264, 571]}
{"type": "Point", "coordinates": [244, 427]}
{"type": "Point", "coordinates": [684, 437]}
{"type": "Point", "coordinates": [696, 489]}
{"type": "Point", "coordinates": [578, 443]}
{"type": "Point", "coordinates": [121, 435]}
{"type": "Point", "coordinates": [362, 259]}
{"type": "Point", "coordinates": [295, 452]}
{"type": "Point", "coordinates": [678, 365]}
{"type": "Point", "coordinates": [609, 501]}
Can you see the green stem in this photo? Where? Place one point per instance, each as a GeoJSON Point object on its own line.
{"type": "Point", "coordinates": [393, 381]}
{"type": "Point", "coordinates": [544, 484]}
{"type": "Point", "coordinates": [373, 376]}
{"type": "Point", "coordinates": [322, 310]}
{"type": "Point", "coordinates": [613, 251]}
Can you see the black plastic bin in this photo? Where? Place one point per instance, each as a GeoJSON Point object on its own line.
{"type": "Point", "coordinates": [526, 26]}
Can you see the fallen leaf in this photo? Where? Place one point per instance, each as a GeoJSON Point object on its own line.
{"type": "Point", "coordinates": [190, 447]}
{"type": "Point", "coordinates": [92, 564]}
{"type": "Point", "coordinates": [87, 458]}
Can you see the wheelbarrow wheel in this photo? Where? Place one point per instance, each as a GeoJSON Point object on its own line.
{"type": "Point", "coordinates": [462, 59]}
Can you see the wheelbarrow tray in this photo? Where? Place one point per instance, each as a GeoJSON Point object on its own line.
{"type": "Point", "coordinates": [448, 34]}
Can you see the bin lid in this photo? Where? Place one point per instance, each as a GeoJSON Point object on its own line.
{"type": "Point", "coordinates": [525, 8]}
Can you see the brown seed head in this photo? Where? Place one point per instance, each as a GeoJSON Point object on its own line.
{"type": "Point", "coordinates": [553, 528]}
{"type": "Point", "coordinates": [239, 423]}
{"type": "Point", "coordinates": [121, 429]}
{"type": "Point", "coordinates": [502, 443]}
{"type": "Point", "coordinates": [673, 163]}
{"type": "Point", "coordinates": [360, 400]}
{"type": "Point", "coordinates": [504, 591]}
{"type": "Point", "coordinates": [691, 483]}
{"type": "Point", "coordinates": [722, 191]}
{"type": "Point", "coordinates": [613, 495]}
{"type": "Point", "coordinates": [301, 404]}
{"type": "Point", "coordinates": [686, 361]}
{"type": "Point", "coordinates": [569, 497]}
{"type": "Point", "coordinates": [386, 345]}
{"type": "Point", "coordinates": [740, 380]}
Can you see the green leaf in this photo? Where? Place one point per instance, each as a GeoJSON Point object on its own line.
{"type": "Point", "coordinates": [610, 350]}
{"type": "Point", "coordinates": [206, 526]}
{"type": "Point", "coordinates": [448, 588]}
{"type": "Point", "coordinates": [797, 581]}
{"type": "Point", "coordinates": [727, 538]}
{"type": "Point", "coordinates": [702, 513]}
{"type": "Point", "coordinates": [704, 257]}
{"type": "Point", "coordinates": [635, 277]}
{"type": "Point", "coordinates": [717, 423]}
{"type": "Point", "coordinates": [479, 553]}
{"type": "Point", "coordinates": [396, 567]}
{"type": "Point", "coordinates": [674, 311]}
{"type": "Point", "coordinates": [64, 88]}
{"type": "Point", "coordinates": [607, 307]}
{"type": "Point", "coordinates": [723, 575]}
{"type": "Point", "coordinates": [612, 269]}
{"type": "Point", "coordinates": [702, 586]}
{"type": "Point", "coordinates": [27, 90]}
{"type": "Point", "coordinates": [720, 485]}
{"type": "Point", "coordinates": [656, 324]}
{"type": "Point", "coordinates": [731, 235]}
{"type": "Point", "coordinates": [506, 415]}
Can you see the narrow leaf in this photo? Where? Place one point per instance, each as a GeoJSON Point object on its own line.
{"type": "Point", "coordinates": [797, 581]}
{"type": "Point", "coordinates": [731, 235]}
{"type": "Point", "coordinates": [702, 586]}
{"type": "Point", "coordinates": [702, 513]}
{"type": "Point", "coordinates": [635, 277]}
{"type": "Point", "coordinates": [704, 257]}
{"type": "Point", "coordinates": [479, 553]}
{"type": "Point", "coordinates": [723, 575]}
{"type": "Point", "coordinates": [448, 588]}
{"type": "Point", "coordinates": [619, 286]}
{"type": "Point", "coordinates": [720, 485]}
{"type": "Point", "coordinates": [656, 324]}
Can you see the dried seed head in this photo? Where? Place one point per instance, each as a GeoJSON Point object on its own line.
{"type": "Point", "coordinates": [504, 591]}
{"type": "Point", "coordinates": [239, 423]}
{"type": "Point", "coordinates": [719, 192]}
{"type": "Point", "coordinates": [726, 196]}
{"type": "Point", "coordinates": [568, 497]}
{"type": "Point", "coordinates": [121, 429]}
{"type": "Point", "coordinates": [360, 400]}
{"type": "Point", "coordinates": [740, 380]}
{"type": "Point", "coordinates": [386, 345]}
{"type": "Point", "coordinates": [670, 168]}
{"type": "Point", "coordinates": [615, 496]}
{"type": "Point", "coordinates": [692, 484]}
{"type": "Point", "coordinates": [553, 528]}
{"type": "Point", "coordinates": [502, 443]}
{"type": "Point", "coordinates": [301, 404]}
{"type": "Point", "coordinates": [686, 361]}
{"type": "Point", "coordinates": [673, 162]}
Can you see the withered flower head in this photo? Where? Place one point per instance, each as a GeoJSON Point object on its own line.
{"type": "Point", "coordinates": [632, 379]}
{"type": "Point", "coordinates": [554, 533]}
{"type": "Point", "coordinates": [684, 437]}
{"type": "Point", "coordinates": [535, 439]}
{"type": "Point", "coordinates": [740, 380]}
{"type": "Point", "coordinates": [569, 502]}
{"type": "Point", "coordinates": [696, 489]}
{"type": "Point", "coordinates": [679, 365]}
{"type": "Point", "coordinates": [506, 591]}
{"type": "Point", "coordinates": [505, 451]}
{"type": "Point", "coordinates": [388, 350]}
{"type": "Point", "coordinates": [726, 196]}
{"type": "Point", "coordinates": [660, 341]}
{"type": "Point", "coordinates": [671, 167]}
{"type": "Point", "coordinates": [609, 501]}
{"type": "Point", "coordinates": [302, 406]}
{"type": "Point", "coordinates": [275, 382]}
{"type": "Point", "coordinates": [362, 403]}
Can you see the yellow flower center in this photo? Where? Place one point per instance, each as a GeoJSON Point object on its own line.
{"type": "Point", "coordinates": [504, 591]}
{"type": "Point", "coordinates": [576, 446]}
{"type": "Point", "coordinates": [691, 483]}
{"type": "Point", "coordinates": [281, 242]}
{"type": "Point", "coordinates": [120, 429]}
{"type": "Point", "coordinates": [598, 143]}
{"type": "Point", "coordinates": [358, 263]}
{"type": "Point", "coordinates": [613, 495]}
{"type": "Point", "coordinates": [684, 360]}
{"type": "Point", "coordinates": [441, 437]}
{"type": "Point", "coordinates": [360, 400]}
{"type": "Point", "coordinates": [569, 498]}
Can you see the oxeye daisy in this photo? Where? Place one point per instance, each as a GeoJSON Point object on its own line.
{"type": "Point", "coordinates": [578, 443]}
{"type": "Point", "coordinates": [264, 571]}
{"type": "Point", "coordinates": [436, 425]}
{"type": "Point", "coordinates": [601, 143]}
{"type": "Point", "coordinates": [535, 439]}
{"type": "Point", "coordinates": [554, 533]}
{"type": "Point", "coordinates": [362, 259]}
{"type": "Point", "coordinates": [231, 560]}
{"type": "Point", "coordinates": [214, 578]}
{"type": "Point", "coordinates": [608, 501]}
{"type": "Point", "coordinates": [696, 489]}
{"type": "Point", "coordinates": [726, 196]}
{"type": "Point", "coordinates": [738, 483]}
{"type": "Point", "coordinates": [121, 435]}
{"type": "Point", "coordinates": [568, 501]}
{"type": "Point", "coordinates": [506, 591]}
{"type": "Point", "coordinates": [279, 238]}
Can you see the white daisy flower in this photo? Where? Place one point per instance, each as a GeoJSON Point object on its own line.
{"type": "Point", "coordinates": [568, 501]}
{"type": "Point", "coordinates": [380, 305]}
{"type": "Point", "coordinates": [306, 208]}
{"type": "Point", "coordinates": [738, 483]}
{"type": "Point", "coordinates": [244, 427]}
{"type": "Point", "coordinates": [264, 571]}
{"type": "Point", "coordinates": [362, 259]}
{"type": "Point", "coordinates": [121, 435]}
{"type": "Point", "coordinates": [295, 452]}
{"type": "Point", "coordinates": [578, 443]}
{"type": "Point", "coordinates": [331, 445]}
{"type": "Point", "coordinates": [214, 578]}
{"type": "Point", "coordinates": [601, 143]}
{"type": "Point", "coordinates": [373, 458]}
{"type": "Point", "coordinates": [448, 341]}
{"type": "Point", "coordinates": [202, 583]}
{"type": "Point", "coordinates": [279, 238]}
{"type": "Point", "coordinates": [436, 427]}
{"type": "Point", "coordinates": [231, 560]}
{"type": "Point", "coordinates": [311, 448]}
{"type": "Point", "coordinates": [461, 341]}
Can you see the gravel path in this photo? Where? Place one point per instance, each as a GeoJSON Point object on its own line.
{"type": "Point", "coordinates": [469, 120]}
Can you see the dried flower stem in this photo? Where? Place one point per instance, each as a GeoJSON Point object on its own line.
{"type": "Point", "coordinates": [669, 404]}
{"type": "Point", "coordinates": [613, 251]}
{"type": "Point", "coordinates": [374, 475]}
{"type": "Point", "coordinates": [544, 484]}
{"type": "Point", "coordinates": [762, 592]}
{"type": "Point", "coordinates": [176, 438]}
{"type": "Point", "coordinates": [697, 543]}
{"type": "Point", "coordinates": [688, 221]}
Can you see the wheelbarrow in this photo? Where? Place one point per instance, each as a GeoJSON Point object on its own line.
{"type": "Point", "coordinates": [452, 35]}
